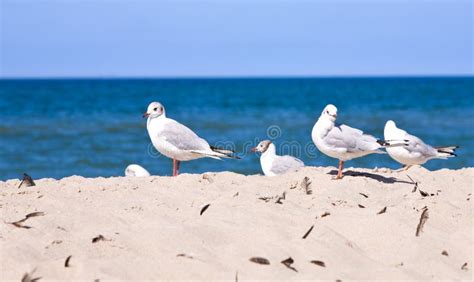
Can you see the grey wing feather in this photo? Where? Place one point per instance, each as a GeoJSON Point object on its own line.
{"type": "Point", "coordinates": [283, 164]}
{"type": "Point", "coordinates": [351, 139]}
{"type": "Point", "coordinates": [183, 138]}
{"type": "Point", "coordinates": [416, 145]}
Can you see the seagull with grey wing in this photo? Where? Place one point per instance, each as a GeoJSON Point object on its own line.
{"type": "Point", "coordinates": [345, 143]}
{"type": "Point", "coordinates": [416, 152]}
{"type": "Point", "coordinates": [176, 141]}
{"type": "Point", "coordinates": [272, 164]}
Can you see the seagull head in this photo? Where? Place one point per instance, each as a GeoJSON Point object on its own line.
{"type": "Point", "coordinates": [390, 127]}
{"type": "Point", "coordinates": [390, 124]}
{"type": "Point", "coordinates": [155, 109]}
{"type": "Point", "coordinates": [330, 112]}
{"type": "Point", "coordinates": [262, 146]}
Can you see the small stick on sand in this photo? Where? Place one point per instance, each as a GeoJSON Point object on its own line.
{"type": "Point", "coordinates": [307, 232]}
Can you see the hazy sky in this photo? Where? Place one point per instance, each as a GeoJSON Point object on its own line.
{"type": "Point", "coordinates": [235, 38]}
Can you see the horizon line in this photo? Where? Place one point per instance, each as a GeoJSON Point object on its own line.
{"type": "Point", "coordinates": [132, 77]}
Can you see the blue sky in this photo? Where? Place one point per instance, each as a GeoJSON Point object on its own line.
{"type": "Point", "coordinates": [105, 38]}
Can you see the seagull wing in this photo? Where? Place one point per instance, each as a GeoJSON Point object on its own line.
{"type": "Point", "coordinates": [183, 138]}
{"type": "Point", "coordinates": [347, 139]}
{"type": "Point", "coordinates": [282, 164]}
{"type": "Point", "coordinates": [416, 146]}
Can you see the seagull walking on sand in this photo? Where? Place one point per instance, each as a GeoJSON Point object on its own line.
{"type": "Point", "coordinates": [176, 141]}
{"type": "Point", "coordinates": [272, 164]}
{"type": "Point", "coordinates": [343, 142]}
{"type": "Point", "coordinates": [416, 152]}
{"type": "Point", "coordinates": [136, 170]}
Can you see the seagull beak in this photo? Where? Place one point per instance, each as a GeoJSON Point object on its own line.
{"type": "Point", "coordinates": [145, 115]}
{"type": "Point", "coordinates": [334, 115]}
{"type": "Point", "coordinates": [253, 150]}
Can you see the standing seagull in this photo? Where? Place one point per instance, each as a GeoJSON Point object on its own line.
{"type": "Point", "coordinates": [343, 142]}
{"type": "Point", "coordinates": [272, 164]}
{"type": "Point", "coordinates": [416, 152]}
{"type": "Point", "coordinates": [176, 141]}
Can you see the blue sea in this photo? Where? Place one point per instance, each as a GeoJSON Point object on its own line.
{"type": "Point", "coordinates": [94, 127]}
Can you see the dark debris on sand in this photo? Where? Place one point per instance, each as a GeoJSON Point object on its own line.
{"type": "Point", "coordinates": [19, 223]}
{"type": "Point", "coordinates": [26, 181]}
{"type": "Point", "coordinates": [259, 260]}
{"type": "Point", "coordinates": [288, 262]}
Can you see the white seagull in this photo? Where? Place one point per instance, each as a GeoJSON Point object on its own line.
{"type": "Point", "coordinates": [272, 164]}
{"type": "Point", "coordinates": [176, 141]}
{"type": "Point", "coordinates": [136, 170]}
{"type": "Point", "coordinates": [416, 152]}
{"type": "Point", "coordinates": [343, 142]}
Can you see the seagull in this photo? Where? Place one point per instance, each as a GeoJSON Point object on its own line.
{"type": "Point", "coordinates": [343, 142]}
{"type": "Point", "coordinates": [417, 152]}
{"type": "Point", "coordinates": [136, 170]}
{"type": "Point", "coordinates": [272, 164]}
{"type": "Point", "coordinates": [176, 141]}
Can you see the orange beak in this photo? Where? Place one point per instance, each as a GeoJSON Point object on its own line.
{"type": "Point", "coordinates": [253, 149]}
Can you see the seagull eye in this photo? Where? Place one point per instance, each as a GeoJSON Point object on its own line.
{"type": "Point", "coordinates": [155, 109]}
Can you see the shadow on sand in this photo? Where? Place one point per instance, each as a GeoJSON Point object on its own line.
{"type": "Point", "coordinates": [377, 177]}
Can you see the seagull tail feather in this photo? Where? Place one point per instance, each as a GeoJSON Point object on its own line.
{"type": "Point", "coordinates": [229, 154]}
{"type": "Point", "coordinates": [446, 152]}
{"type": "Point", "coordinates": [214, 154]}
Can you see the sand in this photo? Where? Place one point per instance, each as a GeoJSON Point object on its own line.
{"type": "Point", "coordinates": [152, 227]}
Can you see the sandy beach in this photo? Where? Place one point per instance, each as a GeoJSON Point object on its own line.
{"type": "Point", "coordinates": [361, 227]}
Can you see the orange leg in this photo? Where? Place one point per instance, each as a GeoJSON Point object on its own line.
{"type": "Point", "coordinates": [339, 171]}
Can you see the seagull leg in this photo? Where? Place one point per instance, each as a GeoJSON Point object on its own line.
{"type": "Point", "coordinates": [177, 167]}
{"type": "Point", "coordinates": [339, 171]}
{"type": "Point", "coordinates": [174, 167]}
